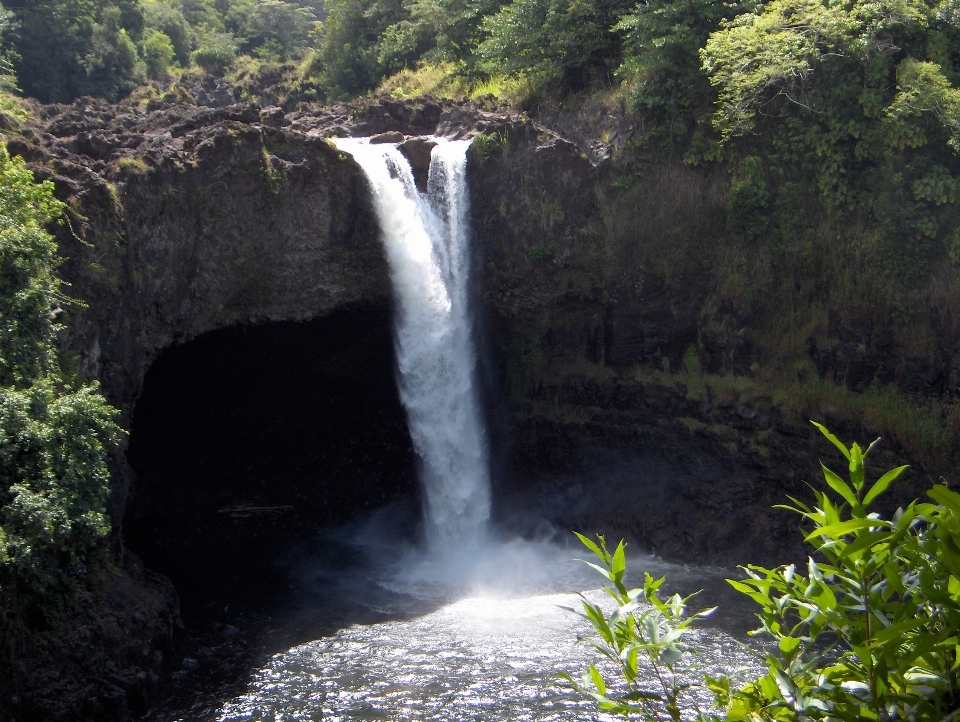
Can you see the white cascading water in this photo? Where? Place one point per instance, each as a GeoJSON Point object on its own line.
{"type": "Point", "coordinates": [426, 237]}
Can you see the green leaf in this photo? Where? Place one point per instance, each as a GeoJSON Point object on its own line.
{"type": "Point", "coordinates": [839, 486]}
{"type": "Point", "coordinates": [590, 545]}
{"type": "Point", "coordinates": [882, 483]}
{"type": "Point", "coordinates": [619, 562]}
{"type": "Point", "coordinates": [864, 541]}
{"type": "Point", "coordinates": [856, 467]}
{"type": "Point", "coordinates": [759, 597]}
{"type": "Point", "coordinates": [604, 572]}
{"type": "Point", "coordinates": [833, 439]}
{"type": "Point", "coordinates": [888, 634]}
{"type": "Point", "coordinates": [835, 531]}
{"type": "Point", "coordinates": [943, 495]}
{"type": "Point", "coordinates": [788, 646]}
{"type": "Point", "coordinates": [670, 656]}
{"type": "Point", "coordinates": [597, 680]}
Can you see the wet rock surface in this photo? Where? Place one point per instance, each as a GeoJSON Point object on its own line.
{"type": "Point", "coordinates": [685, 479]}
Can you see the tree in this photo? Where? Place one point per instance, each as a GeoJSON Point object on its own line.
{"type": "Point", "coordinates": [167, 18]}
{"type": "Point", "coordinates": [563, 45]}
{"type": "Point", "coordinates": [437, 31]}
{"type": "Point", "coordinates": [56, 432]}
{"type": "Point", "coordinates": [348, 53]}
{"type": "Point", "coordinates": [68, 48]}
{"type": "Point", "coordinates": [216, 52]}
{"type": "Point", "coordinates": [854, 99]}
{"type": "Point", "coordinates": [271, 27]}
{"type": "Point", "coordinates": [158, 53]}
{"type": "Point", "coordinates": [111, 61]}
{"type": "Point", "coordinates": [661, 71]}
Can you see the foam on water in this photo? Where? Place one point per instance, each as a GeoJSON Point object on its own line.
{"type": "Point", "coordinates": [488, 645]}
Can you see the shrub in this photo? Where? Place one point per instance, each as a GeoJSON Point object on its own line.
{"type": "Point", "coordinates": [216, 53]}
{"type": "Point", "coordinates": [870, 632]}
{"type": "Point", "coordinates": [628, 632]}
{"type": "Point", "coordinates": [56, 433]}
{"type": "Point", "coordinates": [486, 144]}
{"type": "Point", "coordinates": [158, 54]}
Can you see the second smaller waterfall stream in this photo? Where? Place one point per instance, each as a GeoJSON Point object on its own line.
{"type": "Point", "coordinates": [426, 238]}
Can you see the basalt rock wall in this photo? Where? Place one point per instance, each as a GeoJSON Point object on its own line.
{"type": "Point", "coordinates": [625, 397]}
{"type": "Point", "coordinates": [186, 219]}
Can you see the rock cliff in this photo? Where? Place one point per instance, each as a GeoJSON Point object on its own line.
{"type": "Point", "coordinates": [183, 220]}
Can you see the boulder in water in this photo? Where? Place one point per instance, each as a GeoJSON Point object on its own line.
{"type": "Point", "coordinates": [417, 152]}
{"type": "Point", "coordinates": [393, 136]}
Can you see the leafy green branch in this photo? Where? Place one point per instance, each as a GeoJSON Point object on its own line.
{"type": "Point", "coordinates": [641, 627]}
{"type": "Point", "coordinates": [871, 631]}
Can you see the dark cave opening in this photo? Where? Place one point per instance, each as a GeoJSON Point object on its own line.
{"type": "Point", "coordinates": [248, 441]}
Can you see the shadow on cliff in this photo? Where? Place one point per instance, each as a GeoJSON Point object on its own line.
{"type": "Point", "coordinates": [253, 447]}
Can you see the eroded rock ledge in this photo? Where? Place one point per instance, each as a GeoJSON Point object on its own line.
{"type": "Point", "coordinates": [188, 218]}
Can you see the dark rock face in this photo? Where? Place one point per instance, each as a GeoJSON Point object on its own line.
{"type": "Point", "coordinates": [195, 219]}
{"type": "Point", "coordinates": [108, 661]}
{"type": "Point", "coordinates": [417, 152]}
{"type": "Point", "coordinates": [592, 429]}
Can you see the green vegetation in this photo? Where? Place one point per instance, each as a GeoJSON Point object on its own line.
{"type": "Point", "coordinates": [106, 48]}
{"type": "Point", "coordinates": [56, 432]}
{"type": "Point", "coordinates": [926, 429]}
{"type": "Point", "coordinates": [868, 633]}
{"type": "Point", "coordinates": [486, 145]}
{"type": "Point", "coordinates": [629, 631]}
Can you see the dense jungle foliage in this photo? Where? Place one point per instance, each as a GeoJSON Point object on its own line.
{"type": "Point", "coordinates": [56, 432]}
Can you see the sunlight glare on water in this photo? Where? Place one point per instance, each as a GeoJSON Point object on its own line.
{"type": "Point", "coordinates": [489, 656]}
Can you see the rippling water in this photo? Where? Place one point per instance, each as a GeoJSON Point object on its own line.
{"type": "Point", "coordinates": [492, 654]}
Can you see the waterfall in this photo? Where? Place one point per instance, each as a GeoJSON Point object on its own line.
{"type": "Point", "coordinates": [426, 238]}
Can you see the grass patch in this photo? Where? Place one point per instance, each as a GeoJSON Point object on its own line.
{"type": "Point", "coordinates": [442, 80]}
{"type": "Point", "coordinates": [435, 79]}
{"type": "Point", "coordinates": [132, 166]}
{"type": "Point", "coordinates": [12, 105]}
{"type": "Point", "coordinates": [928, 429]}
